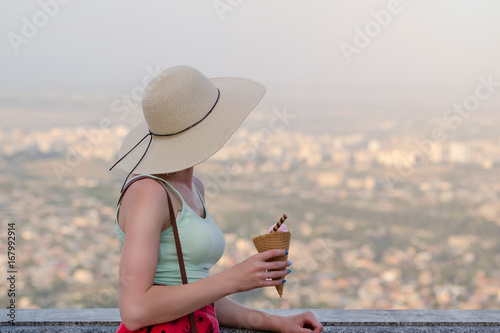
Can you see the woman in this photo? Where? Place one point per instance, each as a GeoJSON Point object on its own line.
{"type": "Point", "coordinates": [187, 119]}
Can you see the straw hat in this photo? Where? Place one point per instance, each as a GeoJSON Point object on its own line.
{"type": "Point", "coordinates": [188, 118]}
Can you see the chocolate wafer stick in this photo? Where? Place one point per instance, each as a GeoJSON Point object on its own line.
{"type": "Point", "coordinates": [279, 223]}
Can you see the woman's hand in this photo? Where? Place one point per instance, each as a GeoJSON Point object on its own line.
{"type": "Point", "coordinates": [304, 322]}
{"type": "Point", "coordinates": [255, 272]}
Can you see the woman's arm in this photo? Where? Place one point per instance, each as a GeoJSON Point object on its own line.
{"type": "Point", "coordinates": [142, 303]}
{"type": "Point", "coordinates": [232, 314]}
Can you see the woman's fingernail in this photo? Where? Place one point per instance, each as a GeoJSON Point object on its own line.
{"type": "Point", "coordinates": [289, 263]}
{"type": "Point", "coordinates": [288, 271]}
{"type": "Point", "coordinates": [283, 281]}
{"type": "Point", "coordinates": [286, 252]}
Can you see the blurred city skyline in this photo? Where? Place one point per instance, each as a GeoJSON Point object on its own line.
{"type": "Point", "coordinates": [387, 159]}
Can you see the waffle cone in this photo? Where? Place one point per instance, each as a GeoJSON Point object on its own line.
{"type": "Point", "coordinates": [274, 240]}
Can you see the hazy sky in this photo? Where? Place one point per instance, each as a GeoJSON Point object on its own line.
{"type": "Point", "coordinates": [96, 45]}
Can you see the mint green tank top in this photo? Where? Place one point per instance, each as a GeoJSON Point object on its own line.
{"type": "Point", "coordinates": [202, 244]}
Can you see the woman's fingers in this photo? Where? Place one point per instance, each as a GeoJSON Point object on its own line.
{"type": "Point", "coordinates": [276, 265]}
{"type": "Point", "coordinates": [301, 323]}
{"type": "Point", "coordinates": [311, 321]}
{"type": "Point", "coordinates": [270, 283]}
{"type": "Point", "coordinates": [272, 253]}
{"type": "Point", "coordinates": [273, 265]}
{"type": "Point", "coordinates": [256, 272]}
{"type": "Point", "coordinates": [275, 275]}
{"type": "Point", "coordinates": [275, 270]}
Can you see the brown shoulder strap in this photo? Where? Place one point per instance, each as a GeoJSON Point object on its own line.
{"type": "Point", "coordinates": [176, 237]}
{"type": "Point", "coordinates": [192, 322]}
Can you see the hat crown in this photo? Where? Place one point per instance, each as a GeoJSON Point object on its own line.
{"type": "Point", "coordinates": [176, 99]}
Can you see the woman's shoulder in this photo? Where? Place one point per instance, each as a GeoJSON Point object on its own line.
{"type": "Point", "coordinates": [147, 186]}
{"type": "Point", "coordinates": [144, 198]}
{"type": "Point", "coordinates": [144, 192]}
{"type": "Point", "coordinates": [149, 192]}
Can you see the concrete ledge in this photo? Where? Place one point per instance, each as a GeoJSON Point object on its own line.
{"type": "Point", "coordinates": [334, 320]}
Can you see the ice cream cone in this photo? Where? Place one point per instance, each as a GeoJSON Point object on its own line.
{"type": "Point", "coordinates": [274, 240]}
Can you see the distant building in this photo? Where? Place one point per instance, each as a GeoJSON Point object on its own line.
{"type": "Point", "coordinates": [459, 153]}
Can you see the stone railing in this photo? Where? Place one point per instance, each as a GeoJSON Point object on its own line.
{"type": "Point", "coordinates": [333, 320]}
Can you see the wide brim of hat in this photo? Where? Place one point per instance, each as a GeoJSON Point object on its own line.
{"type": "Point", "coordinates": [238, 97]}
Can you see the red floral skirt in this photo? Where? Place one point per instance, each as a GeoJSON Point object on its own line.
{"type": "Point", "coordinates": [205, 318]}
